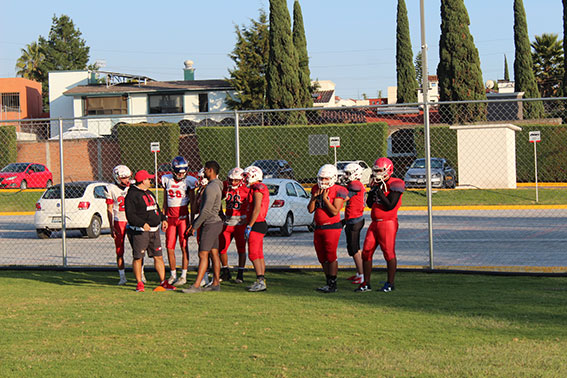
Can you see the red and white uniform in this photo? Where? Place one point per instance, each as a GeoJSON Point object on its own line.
{"type": "Point", "coordinates": [354, 208]}
{"type": "Point", "coordinates": [256, 239]}
{"type": "Point", "coordinates": [328, 227]}
{"type": "Point", "coordinates": [177, 208]}
{"type": "Point", "coordinates": [384, 225]}
{"type": "Point", "coordinates": [235, 222]}
{"type": "Point", "coordinates": [115, 196]}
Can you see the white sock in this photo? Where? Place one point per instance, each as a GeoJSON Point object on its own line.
{"type": "Point", "coordinates": [174, 273]}
{"type": "Point", "coordinates": [184, 273]}
{"type": "Point", "coordinates": [122, 273]}
{"type": "Point", "coordinates": [359, 275]}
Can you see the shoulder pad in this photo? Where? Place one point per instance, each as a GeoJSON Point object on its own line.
{"type": "Point", "coordinates": [397, 185]}
{"type": "Point", "coordinates": [341, 191]}
{"type": "Point", "coordinates": [355, 186]}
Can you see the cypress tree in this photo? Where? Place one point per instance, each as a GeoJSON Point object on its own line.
{"type": "Point", "coordinates": [300, 44]}
{"type": "Point", "coordinates": [283, 88]}
{"type": "Point", "coordinates": [407, 85]}
{"type": "Point", "coordinates": [564, 46]}
{"type": "Point", "coordinates": [524, 78]}
{"type": "Point", "coordinates": [506, 72]}
{"type": "Point", "coordinates": [460, 77]}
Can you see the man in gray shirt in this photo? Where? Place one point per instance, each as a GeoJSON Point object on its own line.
{"type": "Point", "coordinates": [211, 224]}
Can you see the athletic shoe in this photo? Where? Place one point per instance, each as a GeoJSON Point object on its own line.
{"type": "Point", "coordinates": [122, 281]}
{"type": "Point", "coordinates": [143, 277]}
{"type": "Point", "coordinates": [192, 289]}
{"type": "Point", "coordinates": [351, 278]}
{"type": "Point", "coordinates": [171, 280]}
{"type": "Point", "coordinates": [140, 287]}
{"type": "Point", "coordinates": [323, 288]}
{"type": "Point", "coordinates": [358, 281]}
{"type": "Point", "coordinates": [258, 286]}
{"type": "Point", "coordinates": [211, 288]}
{"type": "Point", "coordinates": [180, 281]}
{"type": "Point", "coordinates": [237, 281]}
{"type": "Point", "coordinates": [167, 286]}
{"type": "Point", "coordinates": [387, 287]}
{"type": "Point", "coordinates": [328, 289]}
{"type": "Point", "coordinates": [363, 287]}
{"type": "Point", "coordinates": [224, 275]}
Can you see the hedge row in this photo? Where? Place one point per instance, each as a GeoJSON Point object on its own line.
{"type": "Point", "coordinates": [8, 145]}
{"type": "Point", "coordinates": [358, 142]}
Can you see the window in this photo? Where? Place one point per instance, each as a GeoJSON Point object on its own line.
{"type": "Point", "coordinates": [99, 192]}
{"type": "Point", "coordinates": [38, 168]}
{"type": "Point", "coordinates": [290, 190]}
{"type": "Point", "coordinates": [105, 105]}
{"type": "Point", "coordinates": [10, 102]}
{"type": "Point", "coordinates": [169, 103]}
{"type": "Point", "coordinates": [301, 191]}
{"type": "Point", "coordinates": [203, 103]}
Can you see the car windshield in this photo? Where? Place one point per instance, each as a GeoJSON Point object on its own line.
{"type": "Point", "coordinates": [273, 189]}
{"type": "Point", "coordinates": [420, 163]}
{"type": "Point", "coordinates": [71, 191]}
{"type": "Point", "coordinates": [267, 165]}
{"type": "Point", "coordinates": [342, 164]}
{"type": "Point", "coordinates": [15, 167]}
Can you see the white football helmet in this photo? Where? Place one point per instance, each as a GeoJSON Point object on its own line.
{"type": "Point", "coordinates": [353, 172]}
{"type": "Point", "coordinates": [252, 174]}
{"type": "Point", "coordinates": [120, 172]}
{"type": "Point", "coordinates": [328, 174]}
{"type": "Point", "coordinates": [201, 179]}
{"type": "Point", "coordinates": [236, 174]}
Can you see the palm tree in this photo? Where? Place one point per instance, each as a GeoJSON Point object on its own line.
{"type": "Point", "coordinates": [29, 64]}
{"type": "Point", "coordinates": [547, 56]}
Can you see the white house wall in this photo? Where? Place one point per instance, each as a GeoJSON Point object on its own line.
{"type": "Point", "coordinates": [61, 106]}
{"type": "Point", "coordinates": [138, 104]}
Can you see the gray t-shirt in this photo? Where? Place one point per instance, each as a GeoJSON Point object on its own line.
{"type": "Point", "coordinates": [211, 203]}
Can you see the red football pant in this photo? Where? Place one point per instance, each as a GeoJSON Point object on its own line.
{"type": "Point", "coordinates": [255, 245]}
{"type": "Point", "coordinates": [229, 232]}
{"type": "Point", "coordinates": [175, 228]}
{"type": "Point", "coordinates": [120, 231]}
{"type": "Point", "coordinates": [326, 243]}
{"type": "Point", "coordinates": [383, 233]}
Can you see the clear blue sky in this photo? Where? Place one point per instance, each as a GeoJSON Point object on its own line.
{"type": "Point", "coordinates": [351, 43]}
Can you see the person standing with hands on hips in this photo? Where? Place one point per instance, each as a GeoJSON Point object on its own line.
{"type": "Point", "coordinates": [385, 198]}
{"type": "Point", "coordinates": [326, 201]}
{"type": "Point", "coordinates": [144, 221]}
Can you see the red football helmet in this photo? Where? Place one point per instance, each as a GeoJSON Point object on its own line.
{"type": "Point", "coordinates": [382, 170]}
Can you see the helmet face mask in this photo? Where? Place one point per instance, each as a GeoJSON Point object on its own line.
{"type": "Point", "coordinates": [201, 179]}
{"type": "Point", "coordinates": [235, 177]}
{"type": "Point", "coordinates": [122, 175]}
{"type": "Point", "coordinates": [252, 174]}
{"type": "Point", "coordinates": [327, 176]}
{"type": "Point", "coordinates": [179, 166]}
{"type": "Point", "coordinates": [382, 170]}
{"type": "Point", "coordinates": [353, 172]}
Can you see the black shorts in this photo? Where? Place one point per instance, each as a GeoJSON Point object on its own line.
{"type": "Point", "coordinates": [210, 236]}
{"type": "Point", "coordinates": [142, 241]}
{"type": "Point", "coordinates": [352, 232]}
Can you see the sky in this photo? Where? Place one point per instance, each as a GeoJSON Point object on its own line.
{"type": "Point", "coordinates": [352, 43]}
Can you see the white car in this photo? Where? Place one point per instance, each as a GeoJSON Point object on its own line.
{"type": "Point", "coordinates": [366, 170]}
{"type": "Point", "coordinates": [85, 208]}
{"type": "Point", "coordinates": [288, 205]}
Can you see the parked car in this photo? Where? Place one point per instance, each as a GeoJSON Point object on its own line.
{"type": "Point", "coordinates": [274, 168]}
{"type": "Point", "coordinates": [165, 169]}
{"type": "Point", "coordinates": [25, 175]}
{"type": "Point", "coordinates": [366, 170]}
{"type": "Point", "coordinates": [288, 205]}
{"type": "Point", "coordinates": [85, 208]}
{"type": "Point", "coordinates": [442, 174]}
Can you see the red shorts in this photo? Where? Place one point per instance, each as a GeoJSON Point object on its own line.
{"type": "Point", "coordinates": [326, 243]}
{"type": "Point", "coordinates": [229, 232]}
{"type": "Point", "coordinates": [383, 233]}
{"type": "Point", "coordinates": [175, 228]}
{"type": "Point", "coordinates": [120, 231]}
{"type": "Point", "coordinates": [255, 245]}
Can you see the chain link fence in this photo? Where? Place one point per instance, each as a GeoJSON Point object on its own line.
{"type": "Point", "coordinates": [492, 207]}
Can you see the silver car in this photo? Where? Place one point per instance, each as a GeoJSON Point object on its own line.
{"type": "Point", "coordinates": [442, 174]}
{"type": "Point", "coordinates": [288, 205]}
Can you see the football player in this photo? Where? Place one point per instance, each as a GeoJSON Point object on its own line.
{"type": "Point", "coordinates": [354, 217]}
{"type": "Point", "coordinates": [385, 198]}
{"type": "Point", "coordinates": [326, 201]}
{"type": "Point", "coordinates": [256, 226]}
{"type": "Point", "coordinates": [179, 190]}
{"type": "Point", "coordinates": [235, 194]}
{"type": "Point", "coordinates": [115, 194]}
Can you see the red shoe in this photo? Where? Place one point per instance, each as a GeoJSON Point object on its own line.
{"type": "Point", "coordinates": [140, 287]}
{"type": "Point", "coordinates": [357, 281]}
{"type": "Point", "coordinates": [167, 286]}
{"type": "Point", "coordinates": [351, 278]}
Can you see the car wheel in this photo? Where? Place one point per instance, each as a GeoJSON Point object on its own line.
{"type": "Point", "coordinates": [43, 233]}
{"type": "Point", "coordinates": [95, 227]}
{"type": "Point", "coordinates": [48, 184]}
{"type": "Point", "coordinates": [23, 185]}
{"type": "Point", "coordinates": [287, 228]}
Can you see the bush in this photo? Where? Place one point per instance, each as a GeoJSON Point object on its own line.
{"type": "Point", "coordinates": [8, 145]}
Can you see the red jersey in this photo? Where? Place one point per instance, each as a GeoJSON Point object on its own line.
{"type": "Point", "coordinates": [322, 217]}
{"type": "Point", "coordinates": [262, 188]}
{"type": "Point", "coordinates": [236, 203]}
{"type": "Point", "coordinates": [378, 211]}
{"type": "Point", "coordinates": [355, 205]}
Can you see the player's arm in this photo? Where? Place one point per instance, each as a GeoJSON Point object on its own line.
{"type": "Point", "coordinates": [257, 203]}
{"type": "Point", "coordinates": [312, 202]}
{"type": "Point", "coordinates": [110, 215]}
{"type": "Point", "coordinates": [332, 208]}
{"type": "Point", "coordinates": [390, 201]}
{"type": "Point", "coordinates": [192, 205]}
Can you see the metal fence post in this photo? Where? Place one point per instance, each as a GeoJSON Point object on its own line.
{"type": "Point", "coordinates": [236, 139]}
{"type": "Point", "coordinates": [63, 213]}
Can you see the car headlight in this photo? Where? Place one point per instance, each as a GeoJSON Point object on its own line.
{"type": "Point", "coordinates": [11, 178]}
{"type": "Point", "coordinates": [436, 175]}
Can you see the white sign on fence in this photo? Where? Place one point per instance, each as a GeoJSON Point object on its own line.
{"type": "Point", "coordinates": [154, 146]}
{"type": "Point", "coordinates": [334, 142]}
{"type": "Point", "coordinates": [535, 136]}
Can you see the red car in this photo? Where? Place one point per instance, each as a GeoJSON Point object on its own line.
{"type": "Point", "coordinates": [25, 175]}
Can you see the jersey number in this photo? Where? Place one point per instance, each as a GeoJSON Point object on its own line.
{"type": "Point", "coordinates": [174, 193]}
{"type": "Point", "coordinates": [233, 201]}
{"type": "Point", "coordinates": [120, 201]}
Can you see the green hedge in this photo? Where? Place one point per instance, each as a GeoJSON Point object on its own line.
{"type": "Point", "coordinates": [8, 145]}
{"type": "Point", "coordinates": [135, 139]}
{"type": "Point", "coordinates": [358, 142]}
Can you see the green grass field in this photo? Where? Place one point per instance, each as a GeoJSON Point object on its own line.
{"type": "Point", "coordinates": [61, 324]}
{"type": "Point", "coordinates": [25, 201]}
